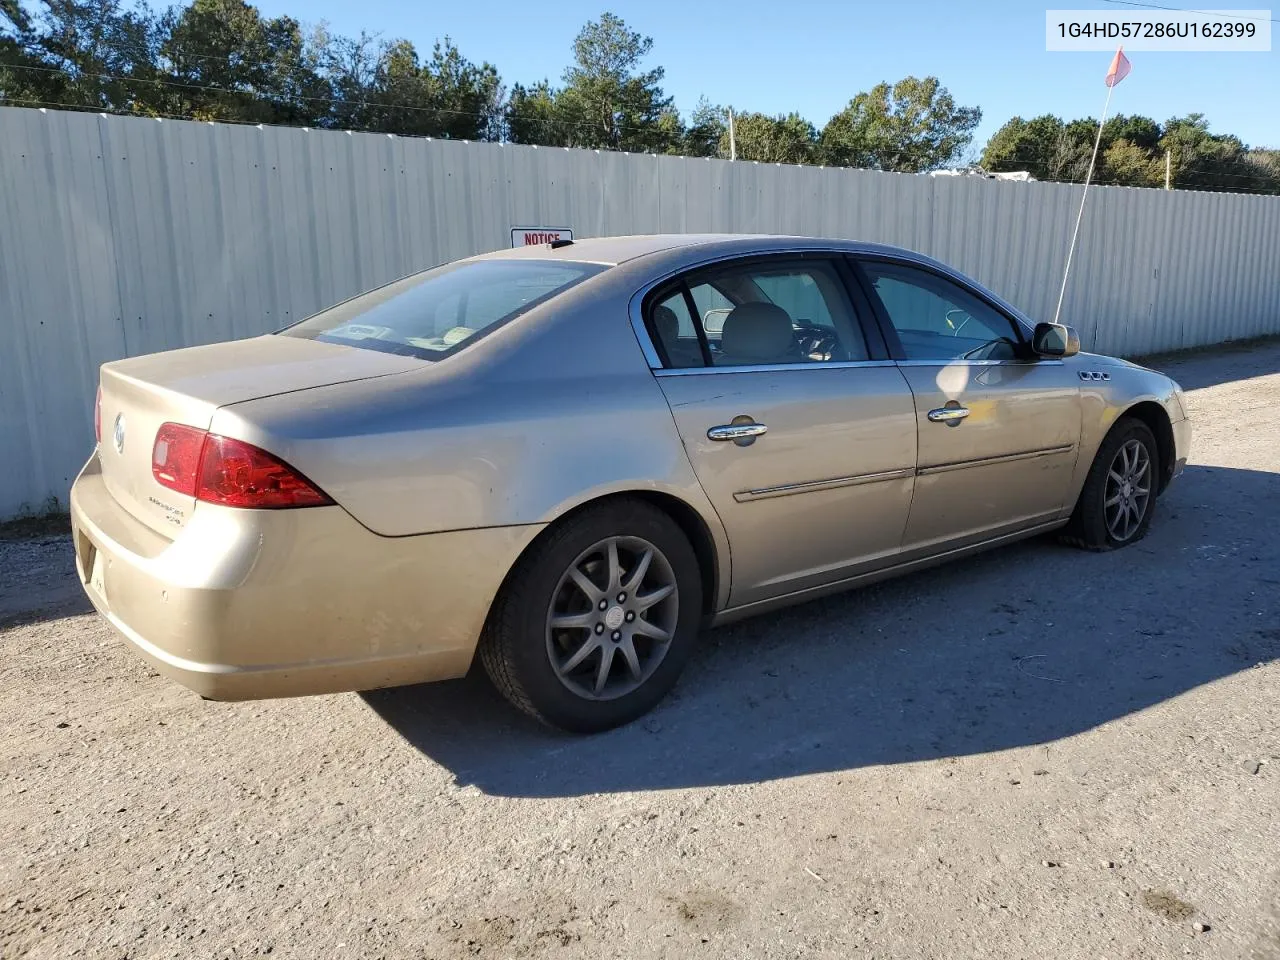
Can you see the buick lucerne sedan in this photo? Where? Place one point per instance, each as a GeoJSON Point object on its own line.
{"type": "Point", "coordinates": [565, 460]}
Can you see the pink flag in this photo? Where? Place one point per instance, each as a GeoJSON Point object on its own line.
{"type": "Point", "coordinates": [1119, 68]}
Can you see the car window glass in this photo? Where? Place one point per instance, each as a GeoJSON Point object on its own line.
{"type": "Point", "coordinates": [771, 312]}
{"type": "Point", "coordinates": [675, 332]}
{"type": "Point", "coordinates": [713, 306]}
{"type": "Point", "coordinates": [434, 312]}
{"type": "Point", "coordinates": [936, 319]}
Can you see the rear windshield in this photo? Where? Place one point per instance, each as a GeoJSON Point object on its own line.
{"type": "Point", "coordinates": [439, 311]}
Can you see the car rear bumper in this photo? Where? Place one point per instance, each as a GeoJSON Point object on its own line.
{"type": "Point", "coordinates": [246, 604]}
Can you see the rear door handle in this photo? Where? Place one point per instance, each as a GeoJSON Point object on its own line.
{"type": "Point", "coordinates": [740, 433]}
{"type": "Point", "coordinates": [948, 414]}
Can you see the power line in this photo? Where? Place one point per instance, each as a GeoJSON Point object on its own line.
{"type": "Point", "coordinates": [1205, 13]}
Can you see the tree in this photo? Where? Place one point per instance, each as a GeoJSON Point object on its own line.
{"type": "Point", "coordinates": [910, 127]}
{"type": "Point", "coordinates": [533, 116]}
{"type": "Point", "coordinates": [706, 130]}
{"type": "Point", "coordinates": [1128, 164]}
{"type": "Point", "coordinates": [618, 105]}
{"type": "Point", "coordinates": [16, 60]}
{"type": "Point", "coordinates": [1201, 160]}
{"type": "Point", "coordinates": [225, 62]}
{"type": "Point", "coordinates": [606, 102]}
{"type": "Point", "coordinates": [785, 138]}
{"type": "Point", "coordinates": [390, 90]}
{"type": "Point", "coordinates": [1045, 146]}
{"type": "Point", "coordinates": [90, 53]}
{"type": "Point", "coordinates": [1131, 152]}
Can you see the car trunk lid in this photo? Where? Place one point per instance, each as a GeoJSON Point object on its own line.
{"type": "Point", "coordinates": [187, 386]}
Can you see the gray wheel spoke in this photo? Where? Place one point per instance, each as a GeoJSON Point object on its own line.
{"type": "Point", "coordinates": [628, 649]}
{"type": "Point", "coordinates": [636, 576]}
{"type": "Point", "coordinates": [647, 600]}
{"type": "Point", "coordinates": [606, 661]}
{"type": "Point", "coordinates": [573, 621]}
{"type": "Point", "coordinates": [1112, 501]}
{"type": "Point", "coordinates": [1116, 478]}
{"type": "Point", "coordinates": [615, 566]}
{"type": "Point", "coordinates": [581, 654]}
{"type": "Point", "coordinates": [593, 593]}
{"type": "Point", "coordinates": [646, 629]}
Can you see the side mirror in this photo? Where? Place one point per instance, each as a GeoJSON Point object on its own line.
{"type": "Point", "coordinates": [1055, 340]}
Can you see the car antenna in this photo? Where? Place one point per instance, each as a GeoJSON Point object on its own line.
{"type": "Point", "coordinates": [557, 244]}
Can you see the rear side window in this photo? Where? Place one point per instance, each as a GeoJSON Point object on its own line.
{"type": "Point", "coordinates": [439, 311]}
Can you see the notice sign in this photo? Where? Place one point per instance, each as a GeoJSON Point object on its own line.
{"type": "Point", "coordinates": [529, 236]}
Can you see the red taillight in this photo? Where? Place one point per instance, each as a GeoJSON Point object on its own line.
{"type": "Point", "coordinates": [97, 416]}
{"type": "Point", "coordinates": [175, 457]}
{"type": "Point", "coordinates": [237, 474]}
{"type": "Point", "coordinates": [229, 472]}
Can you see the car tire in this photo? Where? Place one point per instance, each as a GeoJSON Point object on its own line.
{"type": "Point", "coordinates": [530, 657]}
{"type": "Point", "coordinates": [1099, 522]}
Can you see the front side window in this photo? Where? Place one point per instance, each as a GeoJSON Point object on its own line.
{"type": "Point", "coordinates": [937, 320]}
{"type": "Point", "coordinates": [759, 313]}
{"type": "Point", "coordinates": [437, 312]}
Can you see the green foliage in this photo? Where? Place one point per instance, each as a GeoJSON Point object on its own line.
{"type": "Point", "coordinates": [782, 139]}
{"type": "Point", "coordinates": [1132, 153]}
{"type": "Point", "coordinates": [910, 127]}
{"type": "Point", "coordinates": [707, 128]}
{"type": "Point", "coordinates": [223, 60]}
{"type": "Point", "coordinates": [607, 101]}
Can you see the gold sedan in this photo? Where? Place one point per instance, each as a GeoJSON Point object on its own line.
{"type": "Point", "coordinates": [571, 457]}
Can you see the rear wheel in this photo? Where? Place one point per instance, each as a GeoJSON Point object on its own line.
{"type": "Point", "coordinates": [596, 621]}
{"type": "Point", "coordinates": [1119, 495]}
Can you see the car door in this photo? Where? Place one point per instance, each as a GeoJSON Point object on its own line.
{"type": "Point", "coordinates": [802, 436]}
{"type": "Point", "coordinates": [999, 429]}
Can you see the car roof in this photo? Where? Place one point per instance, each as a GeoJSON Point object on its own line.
{"type": "Point", "coordinates": [615, 250]}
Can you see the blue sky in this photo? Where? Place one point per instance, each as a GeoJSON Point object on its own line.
{"type": "Point", "coordinates": [814, 56]}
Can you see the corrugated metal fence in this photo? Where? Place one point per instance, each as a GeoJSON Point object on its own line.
{"type": "Point", "coordinates": [122, 236]}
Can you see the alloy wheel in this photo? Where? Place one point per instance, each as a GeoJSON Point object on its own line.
{"type": "Point", "coordinates": [1127, 492]}
{"type": "Point", "coordinates": [612, 617]}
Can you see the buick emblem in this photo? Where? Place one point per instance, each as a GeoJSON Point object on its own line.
{"type": "Point", "coordinates": [117, 434]}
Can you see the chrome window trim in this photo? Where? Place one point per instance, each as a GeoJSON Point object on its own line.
{"type": "Point", "coordinates": [635, 308]}
{"type": "Point", "coordinates": [808, 486]}
{"type": "Point", "coordinates": [772, 367]}
{"type": "Point", "coordinates": [978, 363]}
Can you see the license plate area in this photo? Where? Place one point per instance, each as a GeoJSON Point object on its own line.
{"type": "Point", "coordinates": [92, 565]}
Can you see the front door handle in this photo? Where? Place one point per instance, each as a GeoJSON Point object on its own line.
{"type": "Point", "coordinates": [742, 433]}
{"type": "Point", "coordinates": [948, 414]}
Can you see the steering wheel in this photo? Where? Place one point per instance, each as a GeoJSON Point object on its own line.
{"type": "Point", "coordinates": [951, 323]}
{"type": "Point", "coordinates": [813, 339]}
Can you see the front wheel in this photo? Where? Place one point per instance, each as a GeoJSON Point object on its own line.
{"type": "Point", "coordinates": [596, 621]}
{"type": "Point", "coordinates": [1119, 495]}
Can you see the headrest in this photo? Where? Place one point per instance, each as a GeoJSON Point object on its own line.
{"type": "Point", "coordinates": [757, 331]}
{"type": "Point", "coordinates": [666, 324]}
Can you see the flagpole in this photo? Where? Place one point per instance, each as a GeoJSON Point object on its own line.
{"type": "Point", "coordinates": [1080, 216]}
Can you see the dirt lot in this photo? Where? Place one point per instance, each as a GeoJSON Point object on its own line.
{"type": "Point", "coordinates": [1036, 753]}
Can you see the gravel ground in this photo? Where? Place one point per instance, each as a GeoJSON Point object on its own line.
{"type": "Point", "coordinates": [1035, 753]}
